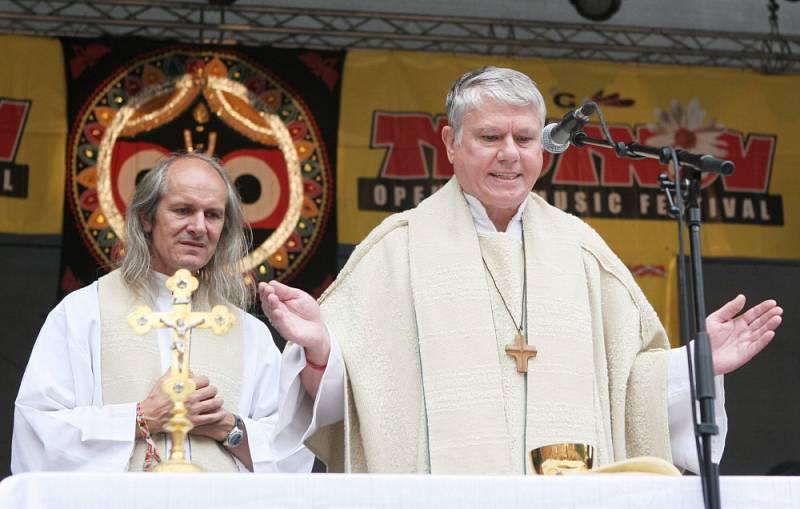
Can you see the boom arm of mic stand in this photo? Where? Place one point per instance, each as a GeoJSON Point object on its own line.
{"type": "Point", "coordinates": [700, 162]}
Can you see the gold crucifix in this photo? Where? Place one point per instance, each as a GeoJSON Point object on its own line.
{"type": "Point", "coordinates": [521, 352]}
{"type": "Point", "coordinates": [181, 319]}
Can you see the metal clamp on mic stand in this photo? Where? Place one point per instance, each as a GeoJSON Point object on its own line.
{"type": "Point", "coordinates": [683, 194]}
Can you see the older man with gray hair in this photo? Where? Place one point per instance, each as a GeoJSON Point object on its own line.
{"type": "Point", "coordinates": [91, 398]}
{"type": "Point", "coordinates": [486, 323]}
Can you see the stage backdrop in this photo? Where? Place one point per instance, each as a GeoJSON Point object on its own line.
{"type": "Point", "coordinates": [269, 115]}
{"type": "Point", "coordinates": [33, 128]}
{"type": "Point", "coordinates": [391, 155]}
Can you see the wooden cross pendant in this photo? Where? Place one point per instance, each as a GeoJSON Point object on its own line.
{"type": "Point", "coordinates": [521, 351]}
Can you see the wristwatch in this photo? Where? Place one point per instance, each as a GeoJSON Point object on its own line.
{"type": "Point", "coordinates": [235, 435]}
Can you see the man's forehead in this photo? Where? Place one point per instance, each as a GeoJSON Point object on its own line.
{"type": "Point", "coordinates": [518, 118]}
{"type": "Point", "coordinates": [189, 177]}
{"type": "Point", "coordinates": [492, 107]}
{"type": "Point", "coordinates": [191, 169]}
{"type": "Point", "coordinates": [496, 125]}
{"type": "Point", "coordinates": [189, 164]}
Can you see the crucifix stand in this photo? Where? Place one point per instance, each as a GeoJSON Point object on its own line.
{"type": "Point", "coordinates": [181, 320]}
{"type": "Point", "coordinates": [521, 352]}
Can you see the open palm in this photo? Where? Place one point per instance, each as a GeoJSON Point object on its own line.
{"type": "Point", "coordinates": [296, 316]}
{"type": "Point", "coordinates": [737, 339]}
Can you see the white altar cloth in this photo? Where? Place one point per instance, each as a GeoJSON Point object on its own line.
{"type": "Point", "coordinates": [323, 491]}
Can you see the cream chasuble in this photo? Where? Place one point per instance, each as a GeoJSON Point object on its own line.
{"type": "Point", "coordinates": [503, 255]}
{"type": "Point", "coordinates": [131, 364]}
{"type": "Point", "coordinates": [423, 332]}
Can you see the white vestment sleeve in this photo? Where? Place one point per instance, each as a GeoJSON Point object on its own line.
{"type": "Point", "coordinates": [59, 421]}
{"type": "Point", "coordinates": [260, 403]}
{"type": "Point", "coordinates": [681, 425]}
{"type": "Point", "coordinates": [300, 415]}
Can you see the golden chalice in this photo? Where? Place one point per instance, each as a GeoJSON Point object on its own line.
{"type": "Point", "coordinates": [560, 459]}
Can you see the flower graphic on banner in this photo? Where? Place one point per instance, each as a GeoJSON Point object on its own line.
{"type": "Point", "coordinates": [687, 129]}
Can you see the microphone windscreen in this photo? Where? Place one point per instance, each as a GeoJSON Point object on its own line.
{"type": "Point", "coordinates": [547, 140]}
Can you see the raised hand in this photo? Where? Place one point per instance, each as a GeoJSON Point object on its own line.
{"type": "Point", "coordinates": [297, 317]}
{"type": "Point", "coordinates": [737, 339]}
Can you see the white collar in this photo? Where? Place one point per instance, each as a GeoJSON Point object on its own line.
{"type": "Point", "coordinates": [163, 297]}
{"type": "Point", "coordinates": [485, 225]}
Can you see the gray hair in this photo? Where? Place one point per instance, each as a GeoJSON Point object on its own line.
{"type": "Point", "coordinates": [503, 85]}
{"type": "Point", "coordinates": [221, 279]}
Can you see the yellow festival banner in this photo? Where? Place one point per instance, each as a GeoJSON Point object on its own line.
{"type": "Point", "coordinates": [33, 132]}
{"type": "Point", "coordinates": [391, 156]}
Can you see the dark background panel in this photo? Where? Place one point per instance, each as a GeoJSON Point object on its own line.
{"type": "Point", "coordinates": [29, 275]}
{"type": "Point", "coordinates": [762, 397]}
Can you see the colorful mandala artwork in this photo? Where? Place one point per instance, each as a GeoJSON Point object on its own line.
{"type": "Point", "coordinates": [220, 104]}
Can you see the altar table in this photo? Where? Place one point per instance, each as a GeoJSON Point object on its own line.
{"type": "Point", "coordinates": [328, 491]}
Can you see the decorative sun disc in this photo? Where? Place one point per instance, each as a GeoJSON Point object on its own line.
{"type": "Point", "coordinates": [220, 104]}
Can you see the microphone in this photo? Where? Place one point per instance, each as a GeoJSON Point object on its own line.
{"type": "Point", "coordinates": [555, 137]}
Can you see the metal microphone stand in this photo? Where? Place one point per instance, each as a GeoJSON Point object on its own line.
{"type": "Point", "coordinates": [693, 166]}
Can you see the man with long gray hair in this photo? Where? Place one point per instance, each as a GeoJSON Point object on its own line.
{"type": "Point", "coordinates": [486, 323]}
{"type": "Point", "coordinates": [91, 397]}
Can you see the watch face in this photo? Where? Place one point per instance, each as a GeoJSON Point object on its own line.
{"type": "Point", "coordinates": [235, 438]}
{"type": "Point", "coordinates": [235, 435]}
